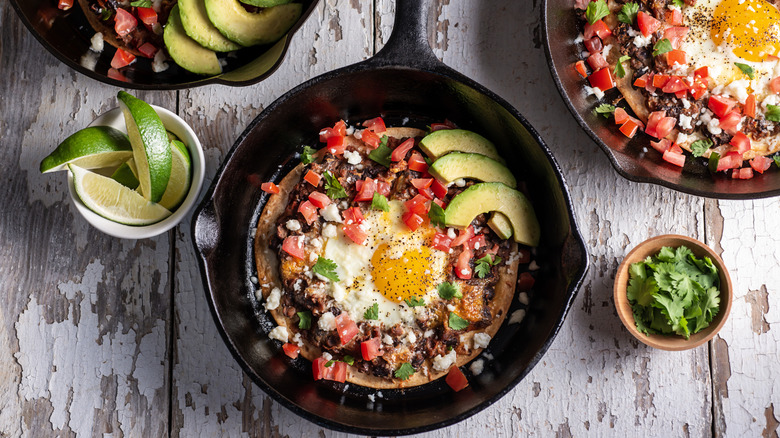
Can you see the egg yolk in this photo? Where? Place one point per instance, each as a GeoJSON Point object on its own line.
{"type": "Point", "coordinates": [405, 277]}
{"type": "Point", "coordinates": [750, 27]}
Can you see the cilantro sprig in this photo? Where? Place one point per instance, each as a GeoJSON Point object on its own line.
{"type": "Point", "coordinates": [141, 3]}
{"type": "Point", "coordinates": [748, 70]}
{"type": "Point", "coordinates": [620, 71]}
{"type": "Point", "coordinates": [772, 113]}
{"type": "Point", "coordinates": [596, 11]}
{"type": "Point", "coordinates": [347, 359]}
{"type": "Point", "coordinates": [674, 292]}
{"type": "Point", "coordinates": [333, 187]}
{"type": "Point", "coordinates": [605, 110]}
{"type": "Point", "coordinates": [628, 13]}
{"type": "Point", "coordinates": [415, 302]}
{"type": "Point", "coordinates": [777, 160]}
{"type": "Point", "coordinates": [456, 322]}
{"type": "Point", "coordinates": [436, 214]}
{"type": "Point", "coordinates": [382, 153]}
{"type": "Point", "coordinates": [699, 147]}
{"type": "Point", "coordinates": [662, 46]}
{"type": "Point", "coordinates": [448, 291]}
{"type": "Point", "coordinates": [307, 156]}
{"type": "Point", "coordinates": [678, 3]}
{"type": "Point", "coordinates": [404, 371]}
{"type": "Point", "coordinates": [379, 202]}
{"type": "Point", "coordinates": [484, 264]}
{"type": "Point", "coordinates": [304, 320]}
{"type": "Point", "coordinates": [326, 268]}
{"type": "Point", "coordinates": [372, 312]}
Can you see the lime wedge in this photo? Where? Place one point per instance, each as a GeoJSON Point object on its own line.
{"type": "Point", "coordinates": [114, 201]}
{"type": "Point", "coordinates": [90, 148]}
{"type": "Point", "coordinates": [125, 175]}
{"type": "Point", "coordinates": [151, 147]}
{"type": "Point", "coordinates": [181, 177]}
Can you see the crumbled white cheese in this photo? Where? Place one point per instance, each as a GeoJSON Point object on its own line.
{"type": "Point", "coordinates": [293, 225]}
{"type": "Point", "coordinates": [352, 157]}
{"type": "Point", "coordinates": [522, 298]}
{"type": "Point", "coordinates": [771, 99]}
{"type": "Point", "coordinates": [331, 213]}
{"type": "Point", "coordinates": [517, 316]}
{"type": "Point", "coordinates": [387, 339]}
{"type": "Point", "coordinates": [580, 38]}
{"type": "Point", "coordinates": [350, 130]}
{"type": "Point", "coordinates": [253, 279]}
{"type": "Point", "coordinates": [428, 333]}
{"type": "Point", "coordinates": [641, 40]}
{"type": "Point", "coordinates": [685, 121]}
{"type": "Point", "coordinates": [258, 294]}
{"type": "Point", "coordinates": [338, 292]}
{"type": "Point", "coordinates": [481, 340]}
{"type": "Point", "coordinates": [272, 302]}
{"type": "Point", "coordinates": [451, 307]}
{"type": "Point", "coordinates": [316, 242]}
{"type": "Point", "coordinates": [371, 398]}
{"type": "Point", "coordinates": [327, 322]}
{"type": "Point", "coordinates": [159, 64]}
{"type": "Point", "coordinates": [477, 367]}
{"type": "Point", "coordinates": [443, 363]}
{"type": "Point", "coordinates": [297, 340]}
{"type": "Point", "coordinates": [96, 43]}
{"type": "Point", "coordinates": [460, 182]}
{"type": "Point", "coordinates": [533, 266]}
{"type": "Point", "coordinates": [451, 233]}
{"type": "Point", "coordinates": [739, 89]}
{"type": "Point", "coordinates": [714, 126]}
{"type": "Point", "coordinates": [279, 333]}
{"type": "Point", "coordinates": [329, 230]}
{"type": "Point", "coordinates": [594, 91]}
{"type": "Point", "coordinates": [358, 134]}
{"type": "Point", "coordinates": [686, 103]}
{"type": "Point", "coordinates": [327, 356]}
{"type": "Point", "coordinates": [411, 337]}
{"type": "Point", "coordinates": [313, 256]}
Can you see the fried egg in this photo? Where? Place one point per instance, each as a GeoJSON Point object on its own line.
{"type": "Point", "coordinates": [725, 32]}
{"type": "Point", "coordinates": [393, 264]}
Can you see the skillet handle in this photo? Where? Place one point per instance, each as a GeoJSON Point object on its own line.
{"type": "Point", "coordinates": [408, 42]}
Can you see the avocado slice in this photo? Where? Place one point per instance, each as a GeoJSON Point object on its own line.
{"type": "Point", "coordinates": [249, 29]}
{"type": "Point", "coordinates": [474, 166]}
{"type": "Point", "coordinates": [491, 196]}
{"type": "Point", "coordinates": [198, 27]}
{"type": "Point", "coordinates": [266, 3]}
{"type": "Point", "coordinates": [499, 223]}
{"type": "Point", "coordinates": [439, 143]}
{"type": "Point", "coordinates": [187, 52]}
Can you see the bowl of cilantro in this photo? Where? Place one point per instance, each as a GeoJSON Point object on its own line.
{"type": "Point", "coordinates": [673, 292]}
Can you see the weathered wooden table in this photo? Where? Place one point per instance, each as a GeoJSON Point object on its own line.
{"type": "Point", "coordinates": [101, 336]}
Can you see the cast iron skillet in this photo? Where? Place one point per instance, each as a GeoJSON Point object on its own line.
{"type": "Point", "coordinates": [66, 34]}
{"type": "Point", "coordinates": [633, 159]}
{"type": "Point", "coordinates": [403, 81]}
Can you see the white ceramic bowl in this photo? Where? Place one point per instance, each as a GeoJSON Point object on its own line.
{"type": "Point", "coordinates": [176, 125]}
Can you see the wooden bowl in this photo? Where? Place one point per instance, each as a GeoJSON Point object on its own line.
{"type": "Point", "coordinates": [651, 247]}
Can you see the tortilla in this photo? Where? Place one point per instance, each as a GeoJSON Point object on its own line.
{"type": "Point", "coordinates": [267, 263]}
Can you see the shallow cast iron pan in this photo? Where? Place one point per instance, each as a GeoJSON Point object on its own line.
{"type": "Point", "coordinates": [403, 83]}
{"type": "Point", "coordinates": [633, 159]}
{"type": "Point", "coordinates": [66, 34]}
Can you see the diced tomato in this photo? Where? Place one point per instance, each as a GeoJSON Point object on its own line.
{"type": "Point", "coordinates": [599, 28]}
{"type": "Point", "coordinates": [353, 215]}
{"type": "Point", "coordinates": [338, 130]}
{"type": "Point", "coordinates": [774, 85]}
{"type": "Point", "coordinates": [125, 22]}
{"type": "Point", "coordinates": [597, 62]}
{"type": "Point", "coordinates": [442, 241]}
{"type": "Point", "coordinates": [581, 69]}
{"type": "Point", "coordinates": [399, 153]}
{"type": "Point", "coordinates": [421, 183]}
{"type": "Point", "coordinates": [319, 199]}
{"type": "Point", "coordinates": [417, 162]}
{"type": "Point", "coordinates": [116, 75]}
{"type": "Point", "coordinates": [621, 116]}
{"type": "Point", "coordinates": [376, 124]}
{"type": "Point", "coordinates": [743, 173]}
{"type": "Point", "coordinates": [525, 281]}
{"type": "Point", "coordinates": [699, 87]}
{"type": "Point", "coordinates": [318, 368]}
{"type": "Point", "coordinates": [269, 187]}
{"type": "Point", "coordinates": [674, 158]}
{"type": "Point", "coordinates": [729, 122]}
{"type": "Point", "coordinates": [462, 267]}
{"type": "Point", "coordinates": [293, 245]}
{"type": "Point", "coordinates": [336, 145]}
{"type": "Point", "coordinates": [476, 242]}
{"type": "Point", "coordinates": [383, 188]}
{"type": "Point", "coordinates": [642, 81]}
{"type": "Point", "coordinates": [674, 84]}
{"type": "Point", "coordinates": [721, 105]}
{"type": "Point", "coordinates": [371, 139]}
{"type": "Point", "coordinates": [365, 189]}
{"type": "Point", "coordinates": [658, 125]}
{"type": "Point", "coordinates": [629, 128]}
{"type": "Point", "coordinates": [122, 58]}
{"type": "Point", "coordinates": [675, 35]}
{"type": "Point", "coordinates": [446, 124]}
{"type": "Point", "coordinates": [440, 203]}
{"type": "Point", "coordinates": [147, 15]}
{"type": "Point", "coordinates": [148, 50]}
{"type": "Point", "coordinates": [371, 348]}
{"type": "Point", "coordinates": [65, 4]}
{"type": "Point", "coordinates": [661, 145]}
{"type": "Point", "coordinates": [702, 72]}
{"type": "Point", "coordinates": [593, 45]}
{"type": "Point", "coordinates": [660, 80]}
{"type": "Point", "coordinates": [750, 106]}
{"type": "Point", "coordinates": [731, 160]}
{"type": "Point", "coordinates": [312, 178]}
{"type": "Point", "coordinates": [740, 143]}
{"type": "Point", "coordinates": [337, 371]}
{"type": "Point", "coordinates": [760, 164]}
{"type": "Point", "coordinates": [674, 17]}
{"type": "Point", "coordinates": [456, 379]}
{"type": "Point", "coordinates": [439, 189]}
{"type": "Point", "coordinates": [346, 328]}
{"type": "Point", "coordinates": [675, 148]}
{"type": "Point", "coordinates": [676, 56]}
{"type": "Point", "coordinates": [772, 58]}
{"type": "Point", "coordinates": [355, 233]}
{"type": "Point", "coordinates": [417, 205]}
{"type": "Point", "coordinates": [647, 24]}
{"type": "Point", "coordinates": [412, 220]}
{"type": "Point", "coordinates": [602, 79]}
{"type": "Point", "coordinates": [308, 211]}
{"type": "Point", "coordinates": [463, 236]}
{"type": "Point", "coordinates": [291, 350]}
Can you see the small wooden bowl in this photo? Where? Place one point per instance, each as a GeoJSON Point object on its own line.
{"type": "Point", "coordinates": [651, 247]}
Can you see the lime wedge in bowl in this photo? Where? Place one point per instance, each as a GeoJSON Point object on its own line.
{"type": "Point", "coordinates": [181, 176]}
{"type": "Point", "coordinates": [90, 148]}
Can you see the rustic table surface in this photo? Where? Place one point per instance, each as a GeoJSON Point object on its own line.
{"type": "Point", "coordinates": [102, 336]}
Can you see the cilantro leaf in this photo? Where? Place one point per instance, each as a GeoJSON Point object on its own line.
{"type": "Point", "coordinates": [333, 187]}
{"type": "Point", "coordinates": [713, 162]}
{"type": "Point", "coordinates": [379, 202]}
{"type": "Point", "coordinates": [628, 13]}
{"type": "Point", "coordinates": [678, 3]}
{"type": "Point", "coordinates": [640, 288]}
{"type": "Point", "coordinates": [349, 360]}
{"type": "Point", "coordinates": [596, 11]}
{"type": "Point", "coordinates": [141, 3]}
{"type": "Point", "coordinates": [456, 322]}
{"type": "Point", "coordinates": [330, 363]}
{"type": "Point", "coordinates": [620, 71]}
{"type": "Point", "coordinates": [605, 110]}
{"type": "Point", "coordinates": [662, 46]}
{"type": "Point", "coordinates": [382, 153]}
{"type": "Point", "coordinates": [326, 268]}
{"type": "Point", "coordinates": [699, 147]}
{"type": "Point", "coordinates": [448, 291]}
{"type": "Point", "coordinates": [748, 70]}
{"type": "Point", "coordinates": [372, 312]}
{"type": "Point", "coordinates": [777, 160]}
{"type": "Point", "coordinates": [304, 320]}
{"type": "Point", "coordinates": [404, 371]}
{"type": "Point", "coordinates": [307, 156]}
{"type": "Point", "coordinates": [415, 302]}
{"type": "Point", "coordinates": [484, 264]}
{"type": "Point", "coordinates": [773, 113]}
{"type": "Point", "coordinates": [436, 214]}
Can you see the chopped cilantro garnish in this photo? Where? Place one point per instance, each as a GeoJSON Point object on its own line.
{"type": "Point", "coordinates": [456, 322]}
{"type": "Point", "coordinates": [485, 263]}
{"type": "Point", "coordinates": [699, 147]}
{"type": "Point", "coordinates": [436, 214]}
{"type": "Point", "coordinates": [382, 153]}
{"type": "Point", "coordinates": [448, 291]}
{"type": "Point", "coordinates": [349, 360]}
{"type": "Point", "coordinates": [773, 113]}
{"type": "Point", "coordinates": [605, 110]}
{"type": "Point", "coordinates": [596, 11]}
{"type": "Point", "coordinates": [777, 160]}
{"type": "Point", "coordinates": [404, 371]}
{"type": "Point", "coordinates": [333, 187]}
{"type": "Point", "coordinates": [678, 3]}
{"type": "Point", "coordinates": [628, 13]}
{"type": "Point", "coordinates": [304, 320]}
{"type": "Point", "coordinates": [141, 4]}
{"type": "Point", "coordinates": [620, 71]}
{"type": "Point", "coordinates": [748, 70]}
{"type": "Point", "coordinates": [415, 302]}
{"type": "Point", "coordinates": [662, 46]}
{"type": "Point", "coordinates": [105, 14]}
{"type": "Point", "coordinates": [307, 156]}
{"type": "Point", "coordinates": [379, 202]}
{"type": "Point", "coordinates": [673, 292]}
{"type": "Point", "coordinates": [330, 363]}
{"type": "Point", "coordinates": [713, 163]}
{"type": "Point", "coordinates": [372, 312]}
{"type": "Point", "coordinates": [326, 268]}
